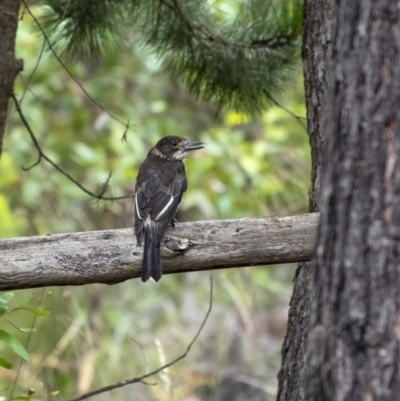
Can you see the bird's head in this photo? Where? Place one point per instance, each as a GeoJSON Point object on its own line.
{"type": "Point", "coordinates": [175, 147]}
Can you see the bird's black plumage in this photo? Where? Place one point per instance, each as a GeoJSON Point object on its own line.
{"type": "Point", "coordinates": [160, 184]}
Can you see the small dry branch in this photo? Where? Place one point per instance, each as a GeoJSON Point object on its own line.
{"type": "Point", "coordinates": [140, 379]}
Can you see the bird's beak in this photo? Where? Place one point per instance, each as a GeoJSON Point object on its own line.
{"type": "Point", "coordinates": [193, 146]}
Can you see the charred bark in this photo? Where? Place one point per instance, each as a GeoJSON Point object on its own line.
{"type": "Point", "coordinates": [355, 323]}
{"type": "Point", "coordinates": [316, 52]}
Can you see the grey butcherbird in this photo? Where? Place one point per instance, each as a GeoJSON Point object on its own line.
{"type": "Point", "coordinates": [160, 185]}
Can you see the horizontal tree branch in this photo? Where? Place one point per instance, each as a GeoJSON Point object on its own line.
{"type": "Point", "coordinates": [112, 256]}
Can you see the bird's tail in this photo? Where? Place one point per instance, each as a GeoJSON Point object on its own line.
{"type": "Point", "coordinates": [151, 256]}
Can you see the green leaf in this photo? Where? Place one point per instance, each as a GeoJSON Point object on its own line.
{"type": "Point", "coordinates": [4, 300]}
{"type": "Point", "coordinates": [26, 329]}
{"type": "Point", "coordinates": [5, 363]}
{"type": "Point", "coordinates": [36, 310]}
{"type": "Point", "coordinates": [14, 345]}
{"type": "Point", "coordinates": [21, 397]}
{"type": "Point", "coordinates": [6, 297]}
{"type": "Point", "coordinates": [26, 298]}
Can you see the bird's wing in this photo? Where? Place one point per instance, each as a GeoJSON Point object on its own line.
{"type": "Point", "coordinates": [160, 203]}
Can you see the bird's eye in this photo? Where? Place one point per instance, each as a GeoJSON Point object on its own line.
{"type": "Point", "coordinates": [174, 143]}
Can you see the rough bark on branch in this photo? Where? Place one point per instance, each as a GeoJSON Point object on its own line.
{"type": "Point", "coordinates": [9, 66]}
{"type": "Point", "coordinates": [111, 256]}
{"type": "Point", "coordinates": [355, 315]}
{"type": "Point", "coordinates": [317, 48]}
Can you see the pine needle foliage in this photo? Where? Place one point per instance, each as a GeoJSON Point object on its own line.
{"type": "Point", "coordinates": [237, 63]}
{"type": "Point", "coordinates": [83, 29]}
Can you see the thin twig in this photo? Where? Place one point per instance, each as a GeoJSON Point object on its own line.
{"type": "Point", "coordinates": [58, 58]}
{"type": "Point", "coordinates": [104, 186]}
{"type": "Point", "coordinates": [27, 88]}
{"type": "Point", "coordinates": [42, 155]}
{"type": "Point", "coordinates": [34, 70]}
{"type": "Point", "coordinates": [154, 372]}
{"type": "Point", "coordinates": [36, 163]}
{"type": "Point", "coordinates": [300, 119]}
{"type": "Point", "coordinates": [28, 340]}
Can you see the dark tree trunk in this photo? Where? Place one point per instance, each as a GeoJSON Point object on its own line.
{"type": "Point", "coordinates": [355, 323]}
{"type": "Point", "coordinates": [316, 52]}
{"type": "Point", "coordinates": [9, 66]}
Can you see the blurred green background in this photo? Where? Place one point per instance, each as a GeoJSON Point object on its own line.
{"type": "Point", "coordinates": [96, 335]}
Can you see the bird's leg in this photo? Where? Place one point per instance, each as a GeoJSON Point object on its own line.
{"type": "Point", "coordinates": [173, 221]}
